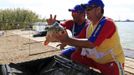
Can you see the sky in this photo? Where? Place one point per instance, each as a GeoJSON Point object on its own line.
{"type": "Point", "coordinates": [116, 9]}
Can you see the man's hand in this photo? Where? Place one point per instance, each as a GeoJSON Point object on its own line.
{"type": "Point", "coordinates": [62, 45]}
{"type": "Point", "coordinates": [51, 20]}
{"type": "Point", "coordinates": [62, 36]}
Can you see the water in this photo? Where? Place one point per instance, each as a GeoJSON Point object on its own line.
{"type": "Point", "coordinates": [126, 33]}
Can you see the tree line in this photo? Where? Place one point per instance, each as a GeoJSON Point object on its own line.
{"type": "Point", "coordinates": [17, 18]}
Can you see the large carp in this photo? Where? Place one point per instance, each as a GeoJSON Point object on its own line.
{"type": "Point", "coordinates": [55, 28]}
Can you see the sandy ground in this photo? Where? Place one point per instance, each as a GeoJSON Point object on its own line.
{"type": "Point", "coordinates": [19, 46]}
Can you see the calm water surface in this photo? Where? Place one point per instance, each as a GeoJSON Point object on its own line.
{"type": "Point", "coordinates": [126, 32]}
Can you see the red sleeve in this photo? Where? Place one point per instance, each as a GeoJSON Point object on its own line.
{"type": "Point", "coordinates": [107, 31]}
{"type": "Point", "coordinates": [68, 24]}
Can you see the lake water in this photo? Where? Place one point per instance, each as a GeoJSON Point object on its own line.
{"type": "Point", "coordinates": [126, 33]}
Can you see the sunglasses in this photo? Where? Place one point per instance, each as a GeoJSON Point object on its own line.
{"type": "Point", "coordinates": [78, 12]}
{"type": "Point", "coordinates": [90, 8]}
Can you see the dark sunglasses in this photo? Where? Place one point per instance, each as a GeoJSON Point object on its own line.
{"type": "Point", "coordinates": [78, 12]}
{"type": "Point", "coordinates": [90, 8]}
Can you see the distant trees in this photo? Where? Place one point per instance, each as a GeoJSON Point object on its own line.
{"type": "Point", "coordinates": [17, 18]}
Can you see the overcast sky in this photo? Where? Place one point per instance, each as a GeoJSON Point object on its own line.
{"type": "Point", "coordinates": [116, 9]}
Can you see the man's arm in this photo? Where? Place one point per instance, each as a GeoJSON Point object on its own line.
{"type": "Point", "coordinates": [64, 38]}
{"type": "Point", "coordinates": [85, 43]}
